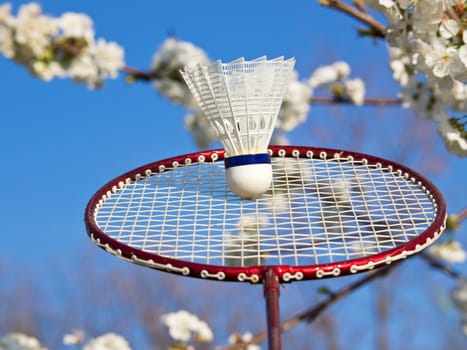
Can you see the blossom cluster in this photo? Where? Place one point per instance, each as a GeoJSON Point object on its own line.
{"type": "Point", "coordinates": [108, 341]}
{"type": "Point", "coordinates": [58, 47]}
{"type": "Point", "coordinates": [241, 339]}
{"type": "Point", "coordinates": [449, 251]}
{"type": "Point", "coordinates": [428, 57]}
{"type": "Point", "coordinates": [169, 59]}
{"type": "Point", "coordinates": [184, 326]}
{"type": "Point", "coordinates": [19, 341]}
{"type": "Point", "coordinates": [336, 76]}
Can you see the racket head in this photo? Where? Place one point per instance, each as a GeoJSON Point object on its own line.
{"type": "Point", "coordinates": [328, 213]}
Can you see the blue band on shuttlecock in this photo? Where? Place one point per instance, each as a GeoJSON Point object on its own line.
{"type": "Point", "coordinates": [245, 159]}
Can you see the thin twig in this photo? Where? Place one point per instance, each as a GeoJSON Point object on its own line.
{"type": "Point", "coordinates": [360, 5]}
{"type": "Point", "coordinates": [439, 265]}
{"type": "Point", "coordinates": [138, 74]}
{"type": "Point", "coordinates": [452, 13]}
{"type": "Point", "coordinates": [370, 101]}
{"type": "Point", "coordinates": [312, 313]}
{"type": "Point", "coordinates": [377, 28]}
{"type": "Point", "coordinates": [462, 215]}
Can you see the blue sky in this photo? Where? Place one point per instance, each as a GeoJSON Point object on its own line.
{"type": "Point", "coordinates": [60, 141]}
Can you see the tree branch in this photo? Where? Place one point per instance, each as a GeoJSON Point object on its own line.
{"type": "Point", "coordinates": [371, 101]}
{"type": "Point", "coordinates": [462, 215]}
{"type": "Point", "coordinates": [376, 28]}
{"type": "Point", "coordinates": [439, 265]}
{"type": "Point", "coordinates": [137, 74]}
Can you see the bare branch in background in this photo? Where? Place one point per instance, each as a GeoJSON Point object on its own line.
{"type": "Point", "coordinates": [371, 101]}
{"type": "Point", "coordinates": [137, 74]}
{"type": "Point", "coordinates": [376, 28]}
{"type": "Point", "coordinates": [439, 265]}
{"type": "Point", "coordinates": [462, 215]}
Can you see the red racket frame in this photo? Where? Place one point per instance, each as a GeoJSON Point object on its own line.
{"type": "Point", "coordinates": [255, 274]}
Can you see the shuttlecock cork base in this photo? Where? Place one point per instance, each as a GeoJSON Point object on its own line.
{"type": "Point", "coordinates": [249, 175]}
{"type": "Point", "coordinates": [241, 100]}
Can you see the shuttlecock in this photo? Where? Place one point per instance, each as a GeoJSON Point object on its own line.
{"type": "Point", "coordinates": [241, 100]}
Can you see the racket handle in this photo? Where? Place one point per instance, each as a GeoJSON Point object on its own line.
{"type": "Point", "coordinates": [271, 294]}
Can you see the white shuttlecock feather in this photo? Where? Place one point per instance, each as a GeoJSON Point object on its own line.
{"type": "Point", "coordinates": [241, 100]}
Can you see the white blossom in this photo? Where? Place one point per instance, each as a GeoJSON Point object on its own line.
{"type": "Point", "coordinates": [279, 138]}
{"type": "Point", "coordinates": [58, 47]}
{"type": "Point", "coordinates": [399, 71]}
{"type": "Point", "coordinates": [450, 251]}
{"type": "Point", "coordinates": [428, 59]}
{"type": "Point", "coordinates": [387, 3]}
{"type": "Point", "coordinates": [19, 341]}
{"type": "Point", "coordinates": [329, 74]}
{"type": "Point", "coordinates": [5, 14]}
{"type": "Point", "coordinates": [184, 325]}
{"type": "Point", "coordinates": [421, 97]}
{"type": "Point", "coordinates": [252, 223]}
{"type": "Point", "coordinates": [33, 31]}
{"type": "Point", "coordinates": [172, 56]}
{"type": "Point", "coordinates": [463, 49]}
{"type": "Point", "coordinates": [342, 68]}
{"type": "Point", "coordinates": [459, 94]}
{"type": "Point", "coordinates": [74, 338]}
{"type": "Point", "coordinates": [83, 69]}
{"type": "Point", "coordinates": [355, 89]}
{"type": "Point", "coordinates": [198, 125]}
{"type": "Point", "coordinates": [442, 59]}
{"type": "Point", "coordinates": [175, 53]}
{"type": "Point", "coordinates": [426, 15]}
{"type": "Point", "coordinates": [448, 28]}
{"type": "Point", "coordinates": [340, 191]}
{"type": "Point", "coordinates": [76, 25]}
{"type": "Point", "coordinates": [243, 339]}
{"type": "Point", "coordinates": [47, 70]}
{"type": "Point", "coordinates": [453, 139]}
{"type": "Point", "coordinates": [108, 341]}
{"type": "Point", "coordinates": [277, 202]}
{"type": "Point", "coordinates": [463, 54]}
{"type": "Point", "coordinates": [203, 333]}
{"type": "Point", "coordinates": [295, 105]}
{"type": "Point", "coordinates": [7, 43]}
{"type": "Point", "coordinates": [109, 58]}
{"type": "Point", "coordinates": [292, 170]}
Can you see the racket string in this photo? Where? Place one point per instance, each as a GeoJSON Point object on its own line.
{"type": "Point", "coordinates": [317, 211]}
